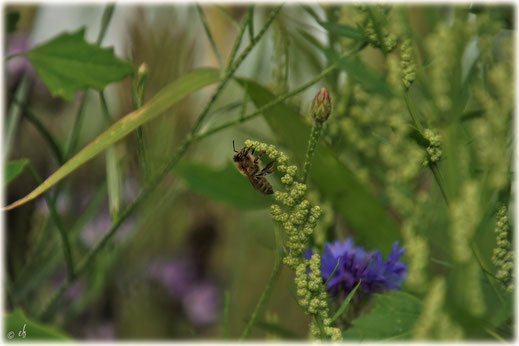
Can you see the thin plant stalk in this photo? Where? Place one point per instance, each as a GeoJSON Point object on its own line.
{"type": "Point", "coordinates": [14, 112]}
{"type": "Point", "coordinates": [268, 288]}
{"type": "Point", "coordinates": [315, 135]}
{"type": "Point", "coordinates": [44, 131]}
{"type": "Point", "coordinates": [210, 37]}
{"type": "Point", "coordinates": [67, 252]}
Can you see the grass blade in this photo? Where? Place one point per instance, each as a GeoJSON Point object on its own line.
{"type": "Point", "coordinates": [346, 302]}
{"type": "Point", "coordinates": [203, 19]}
{"type": "Point", "coordinates": [163, 100]}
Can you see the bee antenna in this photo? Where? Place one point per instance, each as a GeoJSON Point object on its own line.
{"type": "Point", "coordinates": [233, 146]}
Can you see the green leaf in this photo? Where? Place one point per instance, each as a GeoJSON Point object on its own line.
{"type": "Point", "coordinates": [13, 168]}
{"type": "Point", "coordinates": [225, 185]}
{"type": "Point", "coordinates": [393, 317]}
{"type": "Point", "coordinates": [16, 323]}
{"type": "Point", "coordinates": [13, 17]}
{"type": "Point", "coordinates": [363, 212]}
{"type": "Point", "coordinates": [67, 63]}
{"type": "Point", "coordinates": [369, 79]}
{"type": "Point", "coordinates": [346, 302]}
{"type": "Point", "coordinates": [343, 30]}
{"type": "Point", "coordinates": [164, 99]}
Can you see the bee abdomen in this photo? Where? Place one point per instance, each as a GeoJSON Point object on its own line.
{"type": "Point", "coordinates": [265, 187]}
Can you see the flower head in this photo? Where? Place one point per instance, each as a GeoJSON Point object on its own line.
{"type": "Point", "coordinates": [356, 264]}
{"type": "Point", "coordinates": [321, 106]}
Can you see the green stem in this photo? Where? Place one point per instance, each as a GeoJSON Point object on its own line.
{"type": "Point", "coordinates": [412, 112]}
{"type": "Point", "coordinates": [225, 317]}
{"type": "Point", "coordinates": [146, 192]}
{"type": "Point", "coordinates": [138, 98]}
{"type": "Point", "coordinates": [321, 326]}
{"type": "Point", "coordinates": [105, 21]}
{"type": "Point", "coordinates": [14, 113]}
{"type": "Point", "coordinates": [67, 252]}
{"type": "Point", "coordinates": [315, 135]}
{"type": "Point", "coordinates": [437, 176]}
{"type": "Point", "coordinates": [209, 35]}
{"type": "Point", "coordinates": [268, 288]}
{"type": "Point", "coordinates": [275, 102]}
{"type": "Point", "coordinates": [51, 140]}
{"type": "Point", "coordinates": [237, 42]}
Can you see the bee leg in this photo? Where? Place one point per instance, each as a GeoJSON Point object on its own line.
{"type": "Point", "coordinates": [267, 170]}
{"type": "Point", "coordinates": [257, 158]}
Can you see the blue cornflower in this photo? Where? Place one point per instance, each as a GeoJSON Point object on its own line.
{"type": "Point", "coordinates": [357, 264]}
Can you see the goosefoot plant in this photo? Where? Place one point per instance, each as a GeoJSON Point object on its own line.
{"type": "Point", "coordinates": [298, 218]}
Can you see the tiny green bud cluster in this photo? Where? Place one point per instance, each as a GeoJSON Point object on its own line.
{"type": "Point", "coordinates": [434, 150]}
{"type": "Point", "coordinates": [298, 218]}
{"type": "Point", "coordinates": [311, 297]}
{"type": "Point", "coordinates": [370, 33]}
{"type": "Point", "coordinates": [407, 65]}
{"type": "Point", "coordinates": [503, 257]}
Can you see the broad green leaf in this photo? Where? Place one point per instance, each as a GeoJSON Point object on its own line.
{"type": "Point", "coordinates": [393, 317]}
{"type": "Point", "coordinates": [369, 79]}
{"type": "Point", "coordinates": [13, 168]}
{"type": "Point", "coordinates": [17, 327]}
{"type": "Point", "coordinates": [163, 100]}
{"type": "Point", "coordinates": [338, 184]}
{"type": "Point", "coordinates": [226, 185]}
{"type": "Point", "coordinates": [67, 63]}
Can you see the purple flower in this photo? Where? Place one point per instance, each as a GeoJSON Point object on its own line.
{"type": "Point", "coordinates": [199, 297]}
{"type": "Point", "coordinates": [356, 264]}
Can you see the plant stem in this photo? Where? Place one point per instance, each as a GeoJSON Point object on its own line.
{"type": "Point", "coordinates": [112, 168]}
{"type": "Point", "coordinates": [412, 112]}
{"type": "Point", "coordinates": [87, 259]}
{"type": "Point", "coordinates": [275, 102]}
{"type": "Point", "coordinates": [315, 135]}
{"type": "Point", "coordinates": [321, 326]}
{"type": "Point", "coordinates": [209, 35]}
{"type": "Point", "coordinates": [237, 42]}
{"type": "Point", "coordinates": [14, 113]}
{"type": "Point", "coordinates": [59, 224]}
{"type": "Point", "coordinates": [226, 315]}
{"type": "Point", "coordinates": [51, 140]}
{"type": "Point", "coordinates": [437, 176]}
{"type": "Point", "coordinates": [268, 288]}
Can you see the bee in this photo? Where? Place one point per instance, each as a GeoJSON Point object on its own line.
{"type": "Point", "coordinates": [249, 167]}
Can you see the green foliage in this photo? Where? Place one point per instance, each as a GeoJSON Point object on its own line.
{"type": "Point", "coordinates": [13, 168]}
{"type": "Point", "coordinates": [13, 17]}
{"type": "Point", "coordinates": [225, 185]}
{"type": "Point", "coordinates": [163, 100]}
{"type": "Point", "coordinates": [68, 63]}
{"type": "Point", "coordinates": [17, 322]}
{"type": "Point", "coordinates": [340, 186]}
{"type": "Point", "coordinates": [392, 318]}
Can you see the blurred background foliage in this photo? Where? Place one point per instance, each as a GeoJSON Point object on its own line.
{"type": "Point", "coordinates": [418, 149]}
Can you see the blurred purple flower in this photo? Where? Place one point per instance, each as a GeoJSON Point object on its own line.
{"type": "Point", "coordinates": [101, 331]}
{"type": "Point", "coordinates": [16, 67]}
{"type": "Point", "coordinates": [356, 264]}
{"type": "Point", "coordinates": [99, 226]}
{"type": "Point", "coordinates": [199, 297]}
